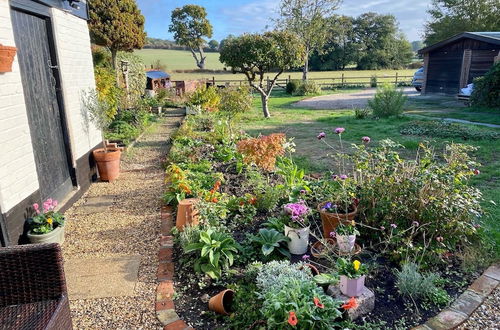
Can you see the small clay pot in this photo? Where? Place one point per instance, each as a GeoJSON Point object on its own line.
{"type": "Point", "coordinates": [7, 54]}
{"type": "Point", "coordinates": [221, 303]}
{"type": "Point", "coordinates": [108, 163]}
{"type": "Point", "coordinates": [187, 214]}
{"type": "Point", "coordinates": [314, 270]}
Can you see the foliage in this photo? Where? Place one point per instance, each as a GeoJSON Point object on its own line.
{"type": "Point", "coordinates": [486, 90]}
{"type": "Point", "coordinates": [108, 92]}
{"type": "Point", "coordinates": [217, 251]}
{"type": "Point", "coordinates": [373, 81]}
{"type": "Point", "coordinates": [388, 101]}
{"type": "Point", "coordinates": [450, 17]}
{"type": "Point", "coordinates": [136, 80]}
{"type": "Point", "coordinates": [262, 151]}
{"type": "Point", "coordinates": [418, 286]}
{"type": "Point", "coordinates": [246, 305]}
{"type": "Point", "coordinates": [189, 235]}
{"type": "Point", "coordinates": [308, 87]}
{"type": "Point", "coordinates": [214, 45]}
{"type": "Point", "coordinates": [117, 25]}
{"type": "Point", "coordinates": [295, 184]}
{"type": "Point", "coordinates": [189, 26]}
{"type": "Point", "coordinates": [445, 129]}
{"type": "Point", "coordinates": [235, 101]}
{"type": "Point", "coordinates": [271, 243]}
{"type": "Point", "coordinates": [268, 197]}
{"type": "Point", "coordinates": [179, 187]}
{"type": "Point", "coordinates": [96, 110]}
{"type": "Point", "coordinates": [275, 274]}
{"type": "Point", "coordinates": [257, 54]}
{"type": "Point", "coordinates": [351, 269]}
{"type": "Point", "coordinates": [207, 98]}
{"type": "Point", "coordinates": [292, 86]}
{"type": "Point", "coordinates": [326, 279]}
{"type": "Point", "coordinates": [346, 229]}
{"type": "Point", "coordinates": [46, 220]}
{"type": "Point", "coordinates": [362, 113]}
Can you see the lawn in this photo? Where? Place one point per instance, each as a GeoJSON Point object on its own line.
{"type": "Point", "coordinates": [305, 124]}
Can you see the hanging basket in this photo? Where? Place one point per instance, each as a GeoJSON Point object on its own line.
{"type": "Point", "coordinates": [7, 55]}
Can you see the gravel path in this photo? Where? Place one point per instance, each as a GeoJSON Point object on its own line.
{"type": "Point", "coordinates": [129, 227]}
{"type": "Point", "coordinates": [487, 316]}
{"type": "Point", "coordinates": [357, 99]}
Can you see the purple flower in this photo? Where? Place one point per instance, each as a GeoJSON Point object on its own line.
{"type": "Point", "coordinates": [339, 130]}
{"type": "Point", "coordinates": [382, 227]}
{"type": "Point", "coordinates": [415, 223]}
{"type": "Point", "coordinates": [305, 257]}
{"type": "Point", "coordinates": [321, 135]}
{"type": "Point", "coordinates": [332, 234]}
{"type": "Point", "coordinates": [366, 139]}
{"type": "Point", "coordinates": [335, 177]}
{"type": "Point", "coordinates": [343, 177]}
{"type": "Point", "coordinates": [393, 225]}
{"type": "Point", "coordinates": [328, 205]}
{"type": "Point", "coordinates": [302, 191]}
{"type": "Point", "coordinates": [296, 210]}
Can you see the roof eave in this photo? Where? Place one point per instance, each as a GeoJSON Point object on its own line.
{"type": "Point", "coordinates": [458, 37]}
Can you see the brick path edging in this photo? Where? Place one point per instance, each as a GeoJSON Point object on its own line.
{"type": "Point", "coordinates": [165, 309]}
{"type": "Point", "coordinates": [463, 307]}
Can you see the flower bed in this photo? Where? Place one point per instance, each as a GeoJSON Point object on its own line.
{"type": "Point", "coordinates": [402, 222]}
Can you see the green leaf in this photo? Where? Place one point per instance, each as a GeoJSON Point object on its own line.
{"type": "Point", "coordinates": [267, 249]}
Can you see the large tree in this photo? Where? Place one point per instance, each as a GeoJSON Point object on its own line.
{"type": "Point", "coordinates": [450, 17]}
{"type": "Point", "coordinates": [254, 55]}
{"type": "Point", "coordinates": [117, 25]}
{"type": "Point", "coordinates": [190, 25]}
{"type": "Point", "coordinates": [307, 19]}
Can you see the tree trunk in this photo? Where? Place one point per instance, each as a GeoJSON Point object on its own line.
{"type": "Point", "coordinates": [201, 63]}
{"type": "Point", "coordinates": [306, 68]}
{"type": "Point", "coordinates": [264, 98]}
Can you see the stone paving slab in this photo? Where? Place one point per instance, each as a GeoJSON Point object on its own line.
{"type": "Point", "coordinates": [96, 204]}
{"type": "Point", "coordinates": [101, 278]}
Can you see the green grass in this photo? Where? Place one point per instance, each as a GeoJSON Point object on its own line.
{"type": "Point", "coordinates": [177, 59]}
{"type": "Point", "coordinates": [305, 124]}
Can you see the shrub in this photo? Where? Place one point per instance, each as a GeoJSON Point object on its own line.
{"type": "Point", "coordinates": [235, 101]}
{"type": "Point", "coordinates": [108, 92]}
{"type": "Point", "coordinates": [388, 101]}
{"type": "Point", "coordinates": [271, 243]}
{"type": "Point", "coordinates": [373, 81]}
{"type": "Point", "coordinates": [487, 89]}
{"type": "Point", "coordinates": [292, 86]}
{"type": "Point", "coordinates": [136, 79]}
{"type": "Point", "coordinates": [444, 129]}
{"type": "Point", "coordinates": [308, 87]}
{"type": "Point", "coordinates": [207, 98]}
{"type": "Point", "coordinates": [361, 113]}
{"type": "Point", "coordinates": [262, 151]}
{"type": "Point", "coordinates": [420, 287]}
{"type": "Point", "coordinates": [275, 274]}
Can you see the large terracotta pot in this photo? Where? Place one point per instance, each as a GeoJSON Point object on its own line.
{"type": "Point", "coordinates": [108, 163]}
{"type": "Point", "coordinates": [221, 302]}
{"type": "Point", "coordinates": [55, 236]}
{"type": "Point", "coordinates": [299, 239]}
{"type": "Point", "coordinates": [352, 287]}
{"type": "Point", "coordinates": [330, 221]}
{"type": "Point", "coordinates": [7, 55]}
{"type": "Point", "coordinates": [187, 214]}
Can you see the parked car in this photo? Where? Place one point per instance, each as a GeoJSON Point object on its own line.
{"type": "Point", "coordinates": [418, 79]}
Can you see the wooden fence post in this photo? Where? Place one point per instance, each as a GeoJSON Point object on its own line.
{"type": "Point", "coordinates": [268, 83]}
{"type": "Point", "coordinates": [342, 84]}
{"type": "Point", "coordinates": [396, 83]}
{"type": "Point", "coordinates": [213, 81]}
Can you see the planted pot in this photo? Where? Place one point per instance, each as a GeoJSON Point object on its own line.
{"type": "Point", "coordinates": [330, 221]}
{"type": "Point", "coordinates": [299, 239]}
{"type": "Point", "coordinates": [345, 242]}
{"type": "Point", "coordinates": [7, 54]}
{"type": "Point", "coordinates": [221, 303]}
{"type": "Point", "coordinates": [55, 236]}
{"type": "Point", "coordinates": [108, 163]}
{"type": "Point", "coordinates": [187, 214]}
{"type": "Point", "coordinates": [352, 287]}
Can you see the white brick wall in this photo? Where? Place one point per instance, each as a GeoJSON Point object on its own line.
{"type": "Point", "coordinates": [77, 75]}
{"type": "Point", "coordinates": [18, 177]}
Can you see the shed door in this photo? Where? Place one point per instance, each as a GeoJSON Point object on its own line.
{"type": "Point", "coordinates": [41, 85]}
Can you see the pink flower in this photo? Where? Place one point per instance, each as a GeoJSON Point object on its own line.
{"type": "Point", "coordinates": [393, 225]}
{"type": "Point", "coordinates": [343, 177]}
{"type": "Point", "coordinates": [476, 171]}
{"type": "Point", "coordinates": [439, 238]}
{"type": "Point", "coordinates": [339, 130]}
{"type": "Point", "coordinates": [321, 135]}
{"type": "Point", "coordinates": [382, 227]}
{"type": "Point", "coordinates": [335, 177]}
{"type": "Point", "coordinates": [36, 206]}
{"type": "Point", "coordinates": [332, 234]}
{"type": "Point", "coordinates": [366, 139]}
{"type": "Point", "coordinates": [54, 203]}
{"type": "Point", "coordinates": [305, 257]}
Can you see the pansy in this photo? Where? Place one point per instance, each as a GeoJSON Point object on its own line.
{"type": "Point", "coordinates": [339, 130]}
{"type": "Point", "coordinates": [356, 264]}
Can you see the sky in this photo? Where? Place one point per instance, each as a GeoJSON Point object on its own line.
{"type": "Point", "coordinates": [239, 16]}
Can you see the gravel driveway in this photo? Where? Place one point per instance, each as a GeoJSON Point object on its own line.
{"type": "Point", "coordinates": [358, 99]}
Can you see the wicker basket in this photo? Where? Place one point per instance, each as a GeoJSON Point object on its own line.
{"type": "Point", "coordinates": [330, 220]}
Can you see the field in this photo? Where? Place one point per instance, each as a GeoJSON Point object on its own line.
{"type": "Point", "coordinates": [183, 60]}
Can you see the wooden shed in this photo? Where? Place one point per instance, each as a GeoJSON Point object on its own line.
{"type": "Point", "coordinates": [453, 63]}
{"type": "Point", "coordinates": [157, 79]}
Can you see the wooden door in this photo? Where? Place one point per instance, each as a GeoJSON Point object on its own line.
{"type": "Point", "coordinates": [38, 66]}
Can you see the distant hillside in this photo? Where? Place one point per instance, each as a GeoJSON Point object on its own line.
{"type": "Point", "coordinates": [155, 43]}
{"type": "Point", "coordinates": [172, 59]}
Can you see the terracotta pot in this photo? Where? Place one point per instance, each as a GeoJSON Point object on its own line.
{"type": "Point", "coordinates": [7, 55]}
{"type": "Point", "coordinates": [108, 163]}
{"type": "Point", "coordinates": [221, 303]}
{"type": "Point", "coordinates": [299, 239]}
{"type": "Point", "coordinates": [330, 221]}
{"type": "Point", "coordinates": [345, 242]}
{"type": "Point", "coordinates": [314, 270]}
{"type": "Point", "coordinates": [55, 236]}
{"type": "Point", "coordinates": [187, 214]}
{"type": "Point", "coordinates": [352, 287]}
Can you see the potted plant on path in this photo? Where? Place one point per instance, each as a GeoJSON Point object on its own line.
{"type": "Point", "coordinates": [107, 158]}
{"type": "Point", "coordinates": [346, 236]}
{"type": "Point", "coordinates": [352, 277]}
{"type": "Point", "coordinates": [297, 226]}
{"type": "Point", "coordinates": [46, 226]}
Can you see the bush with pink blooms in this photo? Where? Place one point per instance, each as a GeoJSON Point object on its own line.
{"type": "Point", "coordinates": [47, 219]}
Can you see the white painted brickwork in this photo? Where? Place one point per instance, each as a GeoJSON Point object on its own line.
{"type": "Point", "coordinates": [77, 75]}
{"type": "Point", "coordinates": [18, 178]}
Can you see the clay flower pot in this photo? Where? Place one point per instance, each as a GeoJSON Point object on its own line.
{"type": "Point", "coordinates": [221, 302]}
{"type": "Point", "coordinates": [7, 55]}
{"type": "Point", "coordinates": [108, 163]}
{"type": "Point", "coordinates": [352, 287]}
{"type": "Point", "coordinates": [330, 220]}
{"type": "Point", "coordinates": [314, 270]}
{"type": "Point", "coordinates": [345, 242]}
{"type": "Point", "coordinates": [299, 239]}
{"type": "Point", "coordinates": [187, 214]}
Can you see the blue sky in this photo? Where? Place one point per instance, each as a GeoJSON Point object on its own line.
{"type": "Point", "coordinates": [240, 16]}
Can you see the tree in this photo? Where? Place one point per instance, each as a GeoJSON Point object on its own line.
{"type": "Point", "coordinates": [450, 17]}
{"type": "Point", "coordinates": [190, 25]}
{"type": "Point", "coordinates": [307, 19]}
{"type": "Point", "coordinates": [254, 55]}
{"type": "Point", "coordinates": [223, 41]}
{"type": "Point", "coordinates": [117, 25]}
{"type": "Point", "coordinates": [416, 45]}
{"type": "Point", "coordinates": [214, 45]}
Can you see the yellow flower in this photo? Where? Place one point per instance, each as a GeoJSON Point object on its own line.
{"type": "Point", "coordinates": [49, 221]}
{"type": "Point", "coordinates": [356, 264]}
{"type": "Point", "coordinates": [353, 223]}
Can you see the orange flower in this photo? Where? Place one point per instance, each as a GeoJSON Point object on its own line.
{"type": "Point", "coordinates": [318, 303]}
{"type": "Point", "coordinates": [352, 303]}
{"type": "Point", "coordinates": [214, 200]}
{"type": "Point", "coordinates": [242, 203]}
{"type": "Point", "coordinates": [252, 200]}
{"type": "Point", "coordinates": [292, 319]}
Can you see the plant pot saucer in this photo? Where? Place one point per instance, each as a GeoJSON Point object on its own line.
{"type": "Point", "coordinates": [318, 249]}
